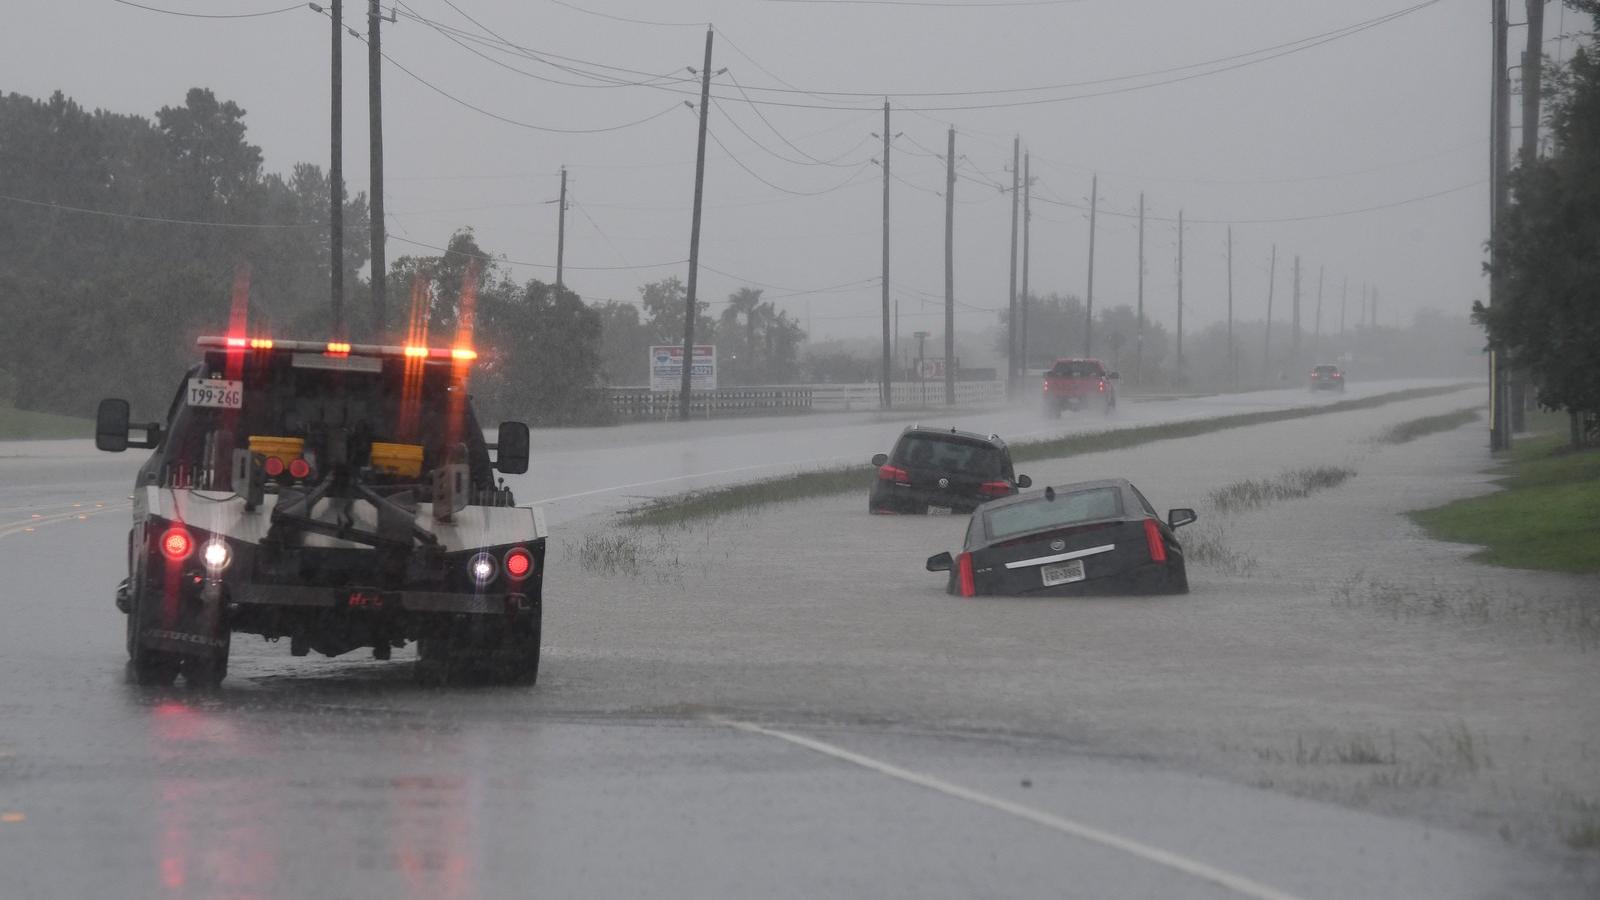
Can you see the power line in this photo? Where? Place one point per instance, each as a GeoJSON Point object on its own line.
{"type": "Point", "coordinates": [191, 15]}
{"type": "Point", "coordinates": [773, 153]}
{"type": "Point", "coordinates": [755, 108]}
{"type": "Point", "coordinates": [1291, 46]}
{"type": "Point", "coordinates": [539, 265]}
{"type": "Point", "coordinates": [615, 18]}
{"type": "Point", "coordinates": [778, 187]}
{"type": "Point", "coordinates": [163, 220]}
{"type": "Point", "coordinates": [507, 119]}
{"type": "Point", "coordinates": [957, 4]}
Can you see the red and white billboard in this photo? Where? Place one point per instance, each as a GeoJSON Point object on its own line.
{"type": "Point", "coordinates": [666, 368]}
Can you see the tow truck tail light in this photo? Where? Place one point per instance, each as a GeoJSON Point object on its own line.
{"type": "Point", "coordinates": [1102, 384]}
{"type": "Point", "coordinates": [893, 473]}
{"type": "Point", "coordinates": [299, 468]}
{"type": "Point", "coordinates": [176, 543]}
{"type": "Point", "coordinates": [995, 488]}
{"type": "Point", "coordinates": [415, 352]}
{"type": "Point", "coordinates": [964, 580]}
{"type": "Point", "coordinates": [458, 354]}
{"type": "Point", "coordinates": [273, 467]}
{"type": "Point", "coordinates": [1158, 544]}
{"type": "Point", "coordinates": [518, 563]}
{"type": "Point", "coordinates": [338, 348]}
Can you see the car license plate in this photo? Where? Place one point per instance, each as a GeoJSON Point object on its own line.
{"type": "Point", "coordinates": [940, 511]}
{"type": "Point", "coordinates": [1062, 573]}
{"type": "Point", "coordinates": [215, 392]}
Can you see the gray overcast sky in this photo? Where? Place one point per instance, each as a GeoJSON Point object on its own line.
{"type": "Point", "coordinates": [1391, 113]}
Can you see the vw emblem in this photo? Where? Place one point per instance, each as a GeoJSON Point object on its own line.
{"type": "Point", "coordinates": [944, 482]}
{"type": "Point", "coordinates": [1058, 544]}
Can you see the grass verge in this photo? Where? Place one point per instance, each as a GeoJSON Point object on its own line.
{"type": "Point", "coordinates": [1547, 515]}
{"type": "Point", "coordinates": [1408, 431]}
{"type": "Point", "coordinates": [23, 425]}
{"type": "Point", "coordinates": [722, 501]}
{"type": "Point", "coordinates": [1256, 492]}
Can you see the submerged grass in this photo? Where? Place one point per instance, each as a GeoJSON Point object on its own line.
{"type": "Point", "coordinates": [1410, 430]}
{"type": "Point", "coordinates": [1208, 546]}
{"type": "Point", "coordinates": [1257, 492]}
{"type": "Point", "coordinates": [1567, 619]}
{"type": "Point", "coordinates": [683, 508]}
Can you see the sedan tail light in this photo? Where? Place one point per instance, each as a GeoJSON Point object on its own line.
{"type": "Point", "coordinates": [1158, 544]}
{"type": "Point", "coordinates": [893, 473]}
{"type": "Point", "coordinates": [964, 580]}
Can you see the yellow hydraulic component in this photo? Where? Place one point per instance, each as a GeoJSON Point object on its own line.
{"type": "Point", "coordinates": [403, 460]}
{"type": "Point", "coordinates": [284, 449]}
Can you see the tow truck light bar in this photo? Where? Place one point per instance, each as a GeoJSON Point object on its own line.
{"type": "Point", "coordinates": [340, 348]}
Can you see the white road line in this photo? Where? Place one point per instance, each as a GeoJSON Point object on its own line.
{"type": "Point", "coordinates": [1237, 883]}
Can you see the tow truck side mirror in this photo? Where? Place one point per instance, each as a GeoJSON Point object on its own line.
{"type": "Point", "coordinates": [111, 425]}
{"type": "Point", "coordinates": [511, 448]}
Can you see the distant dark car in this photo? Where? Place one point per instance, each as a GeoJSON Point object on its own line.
{"type": "Point", "coordinates": [1085, 538]}
{"type": "Point", "coordinates": [1078, 384]}
{"type": "Point", "coordinates": [1327, 378]}
{"type": "Point", "coordinates": [942, 469]}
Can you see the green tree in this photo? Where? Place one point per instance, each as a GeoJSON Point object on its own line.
{"type": "Point", "coordinates": [1548, 250]}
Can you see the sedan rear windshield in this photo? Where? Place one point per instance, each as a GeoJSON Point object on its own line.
{"type": "Point", "coordinates": [1039, 514]}
{"type": "Point", "coordinates": [950, 454]}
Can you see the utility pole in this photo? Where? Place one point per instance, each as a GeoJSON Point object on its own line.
{"type": "Point", "coordinates": [1344, 296]}
{"type": "Point", "coordinates": [1316, 340]}
{"type": "Point", "coordinates": [380, 270]}
{"type": "Point", "coordinates": [1179, 373]}
{"type": "Point", "coordinates": [1138, 340]}
{"type": "Point", "coordinates": [1294, 339]}
{"type": "Point", "coordinates": [336, 174]}
{"type": "Point", "coordinates": [1500, 151]}
{"type": "Point", "coordinates": [1027, 221]}
{"type": "Point", "coordinates": [694, 236]}
{"type": "Point", "coordinates": [561, 231]}
{"type": "Point", "coordinates": [1266, 344]}
{"type": "Point", "coordinates": [1532, 80]}
{"type": "Point", "coordinates": [1233, 357]}
{"type": "Point", "coordinates": [1374, 307]}
{"type": "Point", "coordinates": [950, 271]}
{"type": "Point", "coordinates": [888, 375]}
{"type": "Point", "coordinates": [1088, 318]}
{"type": "Point", "coordinates": [1011, 316]}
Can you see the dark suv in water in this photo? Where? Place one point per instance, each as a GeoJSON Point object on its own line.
{"type": "Point", "coordinates": [942, 469]}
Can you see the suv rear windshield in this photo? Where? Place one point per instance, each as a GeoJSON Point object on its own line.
{"type": "Point", "coordinates": [1077, 368]}
{"type": "Point", "coordinates": [1327, 370]}
{"type": "Point", "coordinates": [950, 453]}
{"type": "Point", "coordinates": [1067, 509]}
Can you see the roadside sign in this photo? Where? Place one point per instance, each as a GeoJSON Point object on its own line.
{"type": "Point", "coordinates": [666, 368]}
{"type": "Point", "coordinates": [933, 367]}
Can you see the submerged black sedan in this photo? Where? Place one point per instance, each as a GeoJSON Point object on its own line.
{"type": "Point", "coordinates": [1085, 538]}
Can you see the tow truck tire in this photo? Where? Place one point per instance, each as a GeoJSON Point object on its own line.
{"type": "Point", "coordinates": [147, 667]}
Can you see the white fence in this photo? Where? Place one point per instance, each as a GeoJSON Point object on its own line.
{"type": "Point", "coordinates": [637, 404]}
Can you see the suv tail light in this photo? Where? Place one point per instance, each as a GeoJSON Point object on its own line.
{"type": "Point", "coordinates": [995, 488]}
{"type": "Point", "coordinates": [1158, 544]}
{"type": "Point", "coordinates": [893, 473]}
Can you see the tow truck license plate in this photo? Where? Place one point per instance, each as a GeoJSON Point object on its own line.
{"type": "Point", "coordinates": [1062, 573]}
{"type": "Point", "coordinates": [215, 392]}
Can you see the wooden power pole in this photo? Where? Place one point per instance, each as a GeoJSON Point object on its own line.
{"type": "Point", "coordinates": [1179, 373]}
{"type": "Point", "coordinates": [950, 271]}
{"type": "Point", "coordinates": [1266, 343]}
{"type": "Point", "coordinates": [561, 232]}
{"type": "Point", "coordinates": [694, 237]}
{"type": "Point", "coordinates": [1011, 315]}
{"type": "Point", "coordinates": [888, 373]}
{"type": "Point", "coordinates": [336, 176]}
{"type": "Point", "coordinates": [1138, 338]}
{"type": "Point", "coordinates": [1088, 317]}
{"type": "Point", "coordinates": [377, 230]}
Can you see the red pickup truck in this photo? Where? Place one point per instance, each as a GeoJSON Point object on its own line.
{"type": "Point", "coordinates": [1078, 384]}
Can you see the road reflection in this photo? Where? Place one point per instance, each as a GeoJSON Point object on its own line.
{"type": "Point", "coordinates": [251, 802]}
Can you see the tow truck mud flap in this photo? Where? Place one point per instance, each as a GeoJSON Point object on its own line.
{"type": "Point", "coordinates": [358, 600]}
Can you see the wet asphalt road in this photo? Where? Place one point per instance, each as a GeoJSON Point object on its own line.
{"type": "Point", "coordinates": [338, 778]}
